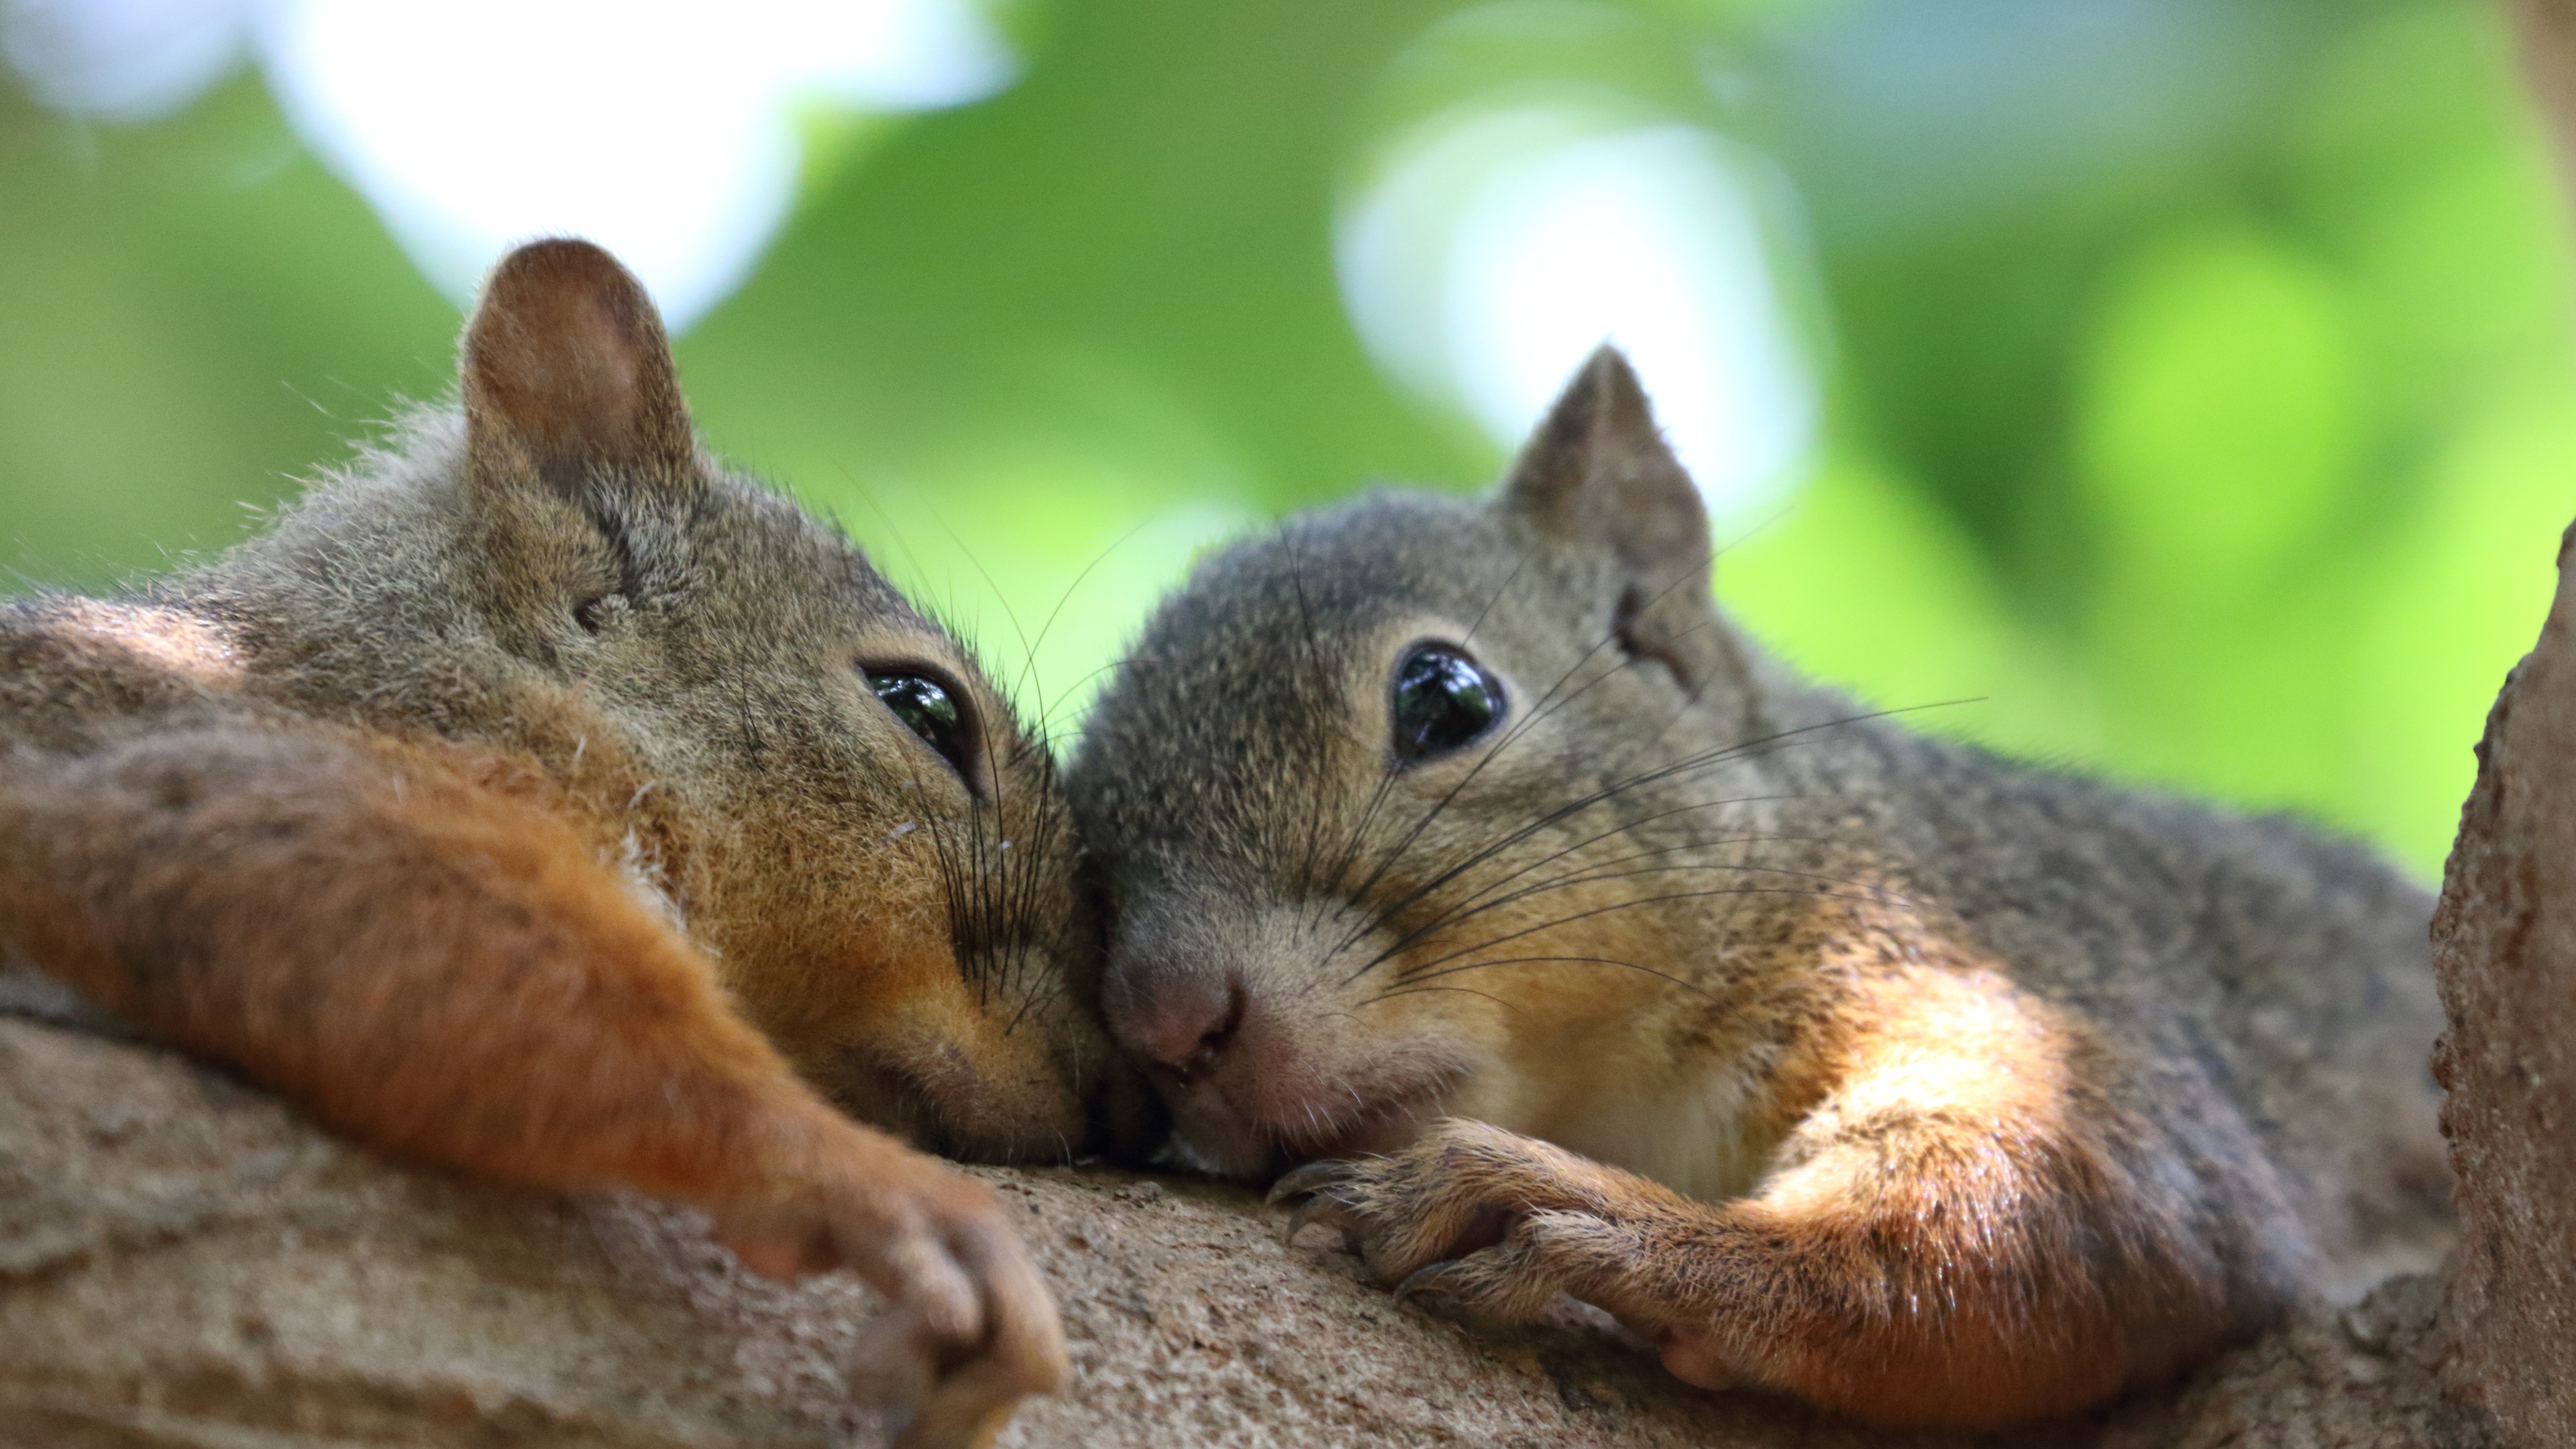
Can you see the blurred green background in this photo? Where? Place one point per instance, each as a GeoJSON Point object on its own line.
{"type": "Point", "coordinates": [2192, 381]}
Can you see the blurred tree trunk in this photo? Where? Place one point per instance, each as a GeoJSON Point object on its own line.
{"type": "Point", "coordinates": [2547, 29]}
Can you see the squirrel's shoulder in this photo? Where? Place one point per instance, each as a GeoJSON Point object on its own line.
{"type": "Point", "coordinates": [2064, 818]}
{"type": "Point", "coordinates": [2103, 876]}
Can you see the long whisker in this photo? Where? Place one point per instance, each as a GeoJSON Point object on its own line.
{"type": "Point", "coordinates": [1572, 880]}
{"type": "Point", "coordinates": [1497, 597]}
{"type": "Point", "coordinates": [1355, 839]}
{"type": "Point", "coordinates": [1629, 905]}
{"type": "Point", "coordinates": [1067, 597]}
{"type": "Point", "coordinates": [1410, 990]}
{"type": "Point", "coordinates": [1315, 664]}
{"type": "Point", "coordinates": [1410, 983]}
{"type": "Point", "coordinates": [1349, 855]}
{"type": "Point", "coordinates": [1027, 650]}
{"type": "Point", "coordinates": [1024, 875]}
{"type": "Point", "coordinates": [1589, 870]}
{"type": "Point", "coordinates": [1622, 828]}
{"type": "Point", "coordinates": [1394, 852]}
{"type": "Point", "coordinates": [952, 888]}
{"type": "Point", "coordinates": [1476, 904]}
{"type": "Point", "coordinates": [1706, 759]}
{"type": "Point", "coordinates": [1539, 712]}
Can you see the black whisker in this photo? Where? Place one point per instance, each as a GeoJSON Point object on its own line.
{"type": "Point", "coordinates": [1065, 598]}
{"type": "Point", "coordinates": [1573, 879]}
{"type": "Point", "coordinates": [1409, 984]}
{"type": "Point", "coordinates": [1628, 905]}
{"type": "Point", "coordinates": [1552, 857]}
{"type": "Point", "coordinates": [1706, 759]}
{"type": "Point", "coordinates": [1410, 990]}
{"type": "Point", "coordinates": [1386, 861]}
{"type": "Point", "coordinates": [1474, 905]}
{"type": "Point", "coordinates": [1541, 710]}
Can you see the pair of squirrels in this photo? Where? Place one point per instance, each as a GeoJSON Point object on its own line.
{"type": "Point", "coordinates": [539, 800]}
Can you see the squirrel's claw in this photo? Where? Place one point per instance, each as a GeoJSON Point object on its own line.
{"type": "Point", "coordinates": [1319, 1191]}
{"type": "Point", "coordinates": [1323, 1208]}
{"type": "Point", "coordinates": [1427, 1280]}
{"type": "Point", "coordinates": [1312, 1178]}
{"type": "Point", "coordinates": [1485, 1221]}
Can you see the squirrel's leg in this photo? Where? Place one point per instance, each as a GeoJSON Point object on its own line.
{"type": "Point", "coordinates": [450, 974]}
{"type": "Point", "coordinates": [1946, 1240]}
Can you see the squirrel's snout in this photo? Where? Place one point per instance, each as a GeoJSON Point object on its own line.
{"type": "Point", "coordinates": [1183, 1025]}
{"type": "Point", "coordinates": [1193, 1028]}
{"type": "Point", "coordinates": [1220, 1007]}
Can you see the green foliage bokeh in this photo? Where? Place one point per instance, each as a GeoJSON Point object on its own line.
{"type": "Point", "coordinates": [2228, 447]}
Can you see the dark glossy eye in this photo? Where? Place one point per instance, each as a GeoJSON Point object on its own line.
{"type": "Point", "coordinates": [930, 709]}
{"type": "Point", "coordinates": [1442, 699]}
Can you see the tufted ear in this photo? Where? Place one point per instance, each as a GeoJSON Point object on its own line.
{"type": "Point", "coordinates": [567, 377]}
{"type": "Point", "coordinates": [1597, 474]}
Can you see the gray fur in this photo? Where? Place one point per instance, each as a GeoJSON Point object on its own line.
{"type": "Point", "coordinates": [2266, 986]}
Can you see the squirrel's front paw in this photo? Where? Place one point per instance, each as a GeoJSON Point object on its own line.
{"type": "Point", "coordinates": [1495, 1223]}
{"type": "Point", "coordinates": [976, 1315]}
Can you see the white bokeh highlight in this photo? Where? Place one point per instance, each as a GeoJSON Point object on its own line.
{"type": "Point", "coordinates": [667, 132]}
{"type": "Point", "coordinates": [122, 60]}
{"type": "Point", "coordinates": [1494, 249]}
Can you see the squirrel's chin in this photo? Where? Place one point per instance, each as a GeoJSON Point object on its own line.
{"type": "Point", "coordinates": [1209, 1135]}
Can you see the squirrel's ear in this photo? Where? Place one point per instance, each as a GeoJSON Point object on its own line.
{"type": "Point", "coordinates": [1598, 468]}
{"type": "Point", "coordinates": [1598, 472]}
{"type": "Point", "coordinates": [568, 377]}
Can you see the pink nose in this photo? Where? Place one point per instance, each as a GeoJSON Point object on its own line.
{"type": "Point", "coordinates": [1185, 1025]}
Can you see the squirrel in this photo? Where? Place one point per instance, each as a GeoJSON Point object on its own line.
{"type": "Point", "coordinates": [539, 800]}
{"type": "Point", "coordinates": [1465, 853]}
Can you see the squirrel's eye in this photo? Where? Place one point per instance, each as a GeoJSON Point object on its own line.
{"type": "Point", "coordinates": [1442, 699]}
{"type": "Point", "coordinates": [930, 709]}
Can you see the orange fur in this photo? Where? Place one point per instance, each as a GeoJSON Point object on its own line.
{"type": "Point", "coordinates": [1946, 1236]}
{"type": "Point", "coordinates": [498, 950]}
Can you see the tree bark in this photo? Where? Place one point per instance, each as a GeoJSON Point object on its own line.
{"type": "Point", "coordinates": [187, 1264]}
{"type": "Point", "coordinates": [2504, 943]}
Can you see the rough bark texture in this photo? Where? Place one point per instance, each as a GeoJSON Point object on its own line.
{"type": "Point", "coordinates": [2504, 942]}
{"type": "Point", "coordinates": [186, 1264]}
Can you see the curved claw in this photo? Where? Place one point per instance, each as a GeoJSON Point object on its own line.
{"type": "Point", "coordinates": [1320, 1208]}
{"type": "Point", "coordinates": [1313, 1177]}
{"type": "Point", "coordinates": [1424, 1279]}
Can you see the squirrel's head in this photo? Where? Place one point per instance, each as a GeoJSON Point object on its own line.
{"type": "Point", "coordinates": [809, 774]}
{"type": "Point", "coordinates": [1377, 796]}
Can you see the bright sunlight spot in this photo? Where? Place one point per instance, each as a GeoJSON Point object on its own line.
{"type": "Point", "coordinates": [122, 60]}
{"type": "Point", "coordinates": [1497, 247]}
{"type": "Point", "coordinates": [665, 131]}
